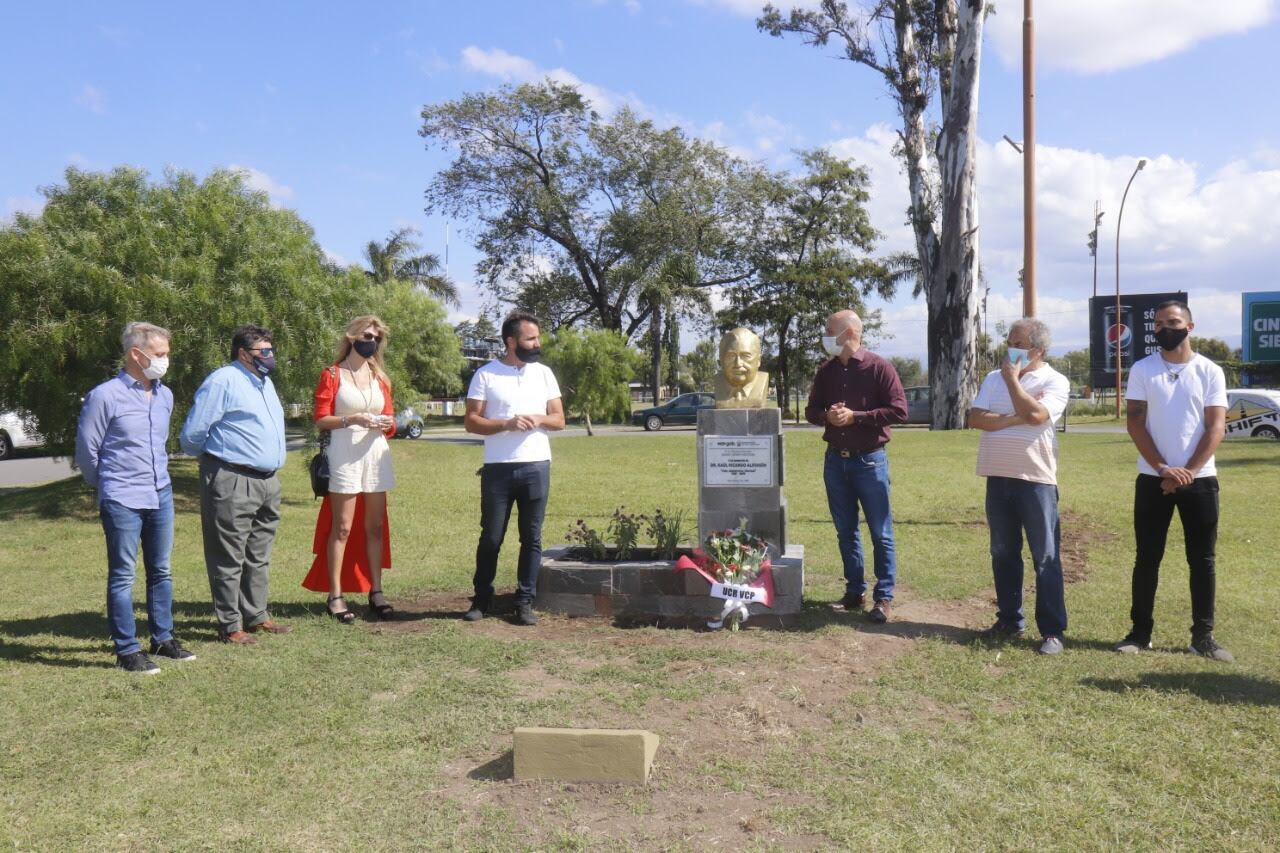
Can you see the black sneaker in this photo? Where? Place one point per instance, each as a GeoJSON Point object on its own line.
{"type": "Point", "coordinates": [137, 662]}
{"type": "Point", "coordinates": [171, 649]}
{"type": "Point", "coordinates": [1131, 645]}
{"type": "Point", "coordinates": [1207, 647]}
{"type": "Point", "coordinates": [525, 615]}
{"type": "Point", "coordinates": [478, 610]}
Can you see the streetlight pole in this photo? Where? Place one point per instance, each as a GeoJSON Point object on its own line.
{"type": "Point", "coordinates": [1119, 349]}
{"type": "Point", "coordinates": [1093, 242]}
{"type": "Point", "coordinates": [1028, 162]}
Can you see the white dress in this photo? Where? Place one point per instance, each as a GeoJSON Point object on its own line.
{"type": "Point", "coordinates": [359, 458]}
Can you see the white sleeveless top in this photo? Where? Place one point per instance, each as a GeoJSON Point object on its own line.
{"type": "Point", "coordinates": [359, 458]}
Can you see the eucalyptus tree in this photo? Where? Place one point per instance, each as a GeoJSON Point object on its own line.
{"type": "Point", "coordinates": [925, 50]}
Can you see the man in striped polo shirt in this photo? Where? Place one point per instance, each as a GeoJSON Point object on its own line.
{"type": "Point", "coordinates": [1016, 408]}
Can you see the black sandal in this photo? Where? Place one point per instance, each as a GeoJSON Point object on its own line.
{"type": "Point", "coordinates": [382, 611]}
{"type": "Point", "coordinates": [345, 616]}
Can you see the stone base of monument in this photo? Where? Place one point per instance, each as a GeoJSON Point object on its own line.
{"type": "Point", "coordinates": [652, 591]}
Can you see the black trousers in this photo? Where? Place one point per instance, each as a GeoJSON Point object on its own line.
{"type": "Point", "coordinates": [526, 486]}
{"type": "Point", "coordinates": [1197, 507]}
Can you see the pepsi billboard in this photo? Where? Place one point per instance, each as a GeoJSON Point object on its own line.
{"type": "Point", "coordinates": [1120, 335]}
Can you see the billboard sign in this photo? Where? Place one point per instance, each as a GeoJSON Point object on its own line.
{"type": "Point", "coordinates": [1125, 335]}
{"type": "Point", "coordinates": [1260, 334]}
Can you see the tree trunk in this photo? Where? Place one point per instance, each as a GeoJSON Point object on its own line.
{"type": "Point", "coordinates": [586, 419]}
{"type": "Point", "coordinates": [952, 294]}
{"type": "Point", "coordinates": [655, 351]}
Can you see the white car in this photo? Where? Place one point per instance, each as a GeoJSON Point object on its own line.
{"type": "Point", "coordinates": [1254, 412]}
{"type": "Point", "coordinates": [17, 431]}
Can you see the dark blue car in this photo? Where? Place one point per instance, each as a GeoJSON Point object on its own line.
{"type": "Point", "coordinates": [681, 410]}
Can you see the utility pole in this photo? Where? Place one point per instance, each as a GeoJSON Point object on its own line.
{"type": "Point", "coordinates": [1119, 315]}
{"type": "Point", "coordinates": [1093, 241]}
{"type": "Point", "coordinates": [1028, 161]}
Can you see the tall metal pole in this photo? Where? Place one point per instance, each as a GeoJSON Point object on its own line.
{"type": "Point", "coordinates": [1119, 350]}
{"type": "Point", "coordinates": [1028, 162]}
{"type": "Point", "coordinates": [1097, 220]}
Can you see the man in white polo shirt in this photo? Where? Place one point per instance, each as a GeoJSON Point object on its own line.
{"type": "Point", "coordinates": [512, 402]}
{"type": "Point", "coordinates": [1018, 454]}
{"type": "Point", "coordinates": [1177, 411]}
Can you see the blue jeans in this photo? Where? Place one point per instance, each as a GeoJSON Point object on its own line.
{"type": "Point", "coordinates": [124, 527]}
{"type": "Point", "coordinates": [862, 479]}
{"type": "Point", "coordinates": [526, 486]}
{"type": "Point", "coordinates": [1014, 506]}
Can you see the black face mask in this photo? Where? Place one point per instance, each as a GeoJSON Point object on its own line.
{"type": "Point", "coordinates": [366, 349]}
{"type": "Point", "coordinates": [530, 355]}
{"type": "Point", "coordinates": [265, 364]}
{"type": "Point", "coordinates": [1171, 339]}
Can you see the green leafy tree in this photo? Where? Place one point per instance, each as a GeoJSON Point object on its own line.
{"type": "Point", "coordinates": [702, 364]}
{"type": "Point", "coordinates": [1214, 349]}
{"type": "Point", "coordinates": [394, 258]}
{"type": "Point", "coordinates": [909, 370]}
{"type": "Point", "coordinates": [814, 261]}
{"type": "Point", "coordinates": [593, 368]}
{"type": "Point", "coordinates": [198, 257]}
{"type": "Point", "coordinates": [423, 357]}
{"type": "Point", "coordinates": [587, 220]}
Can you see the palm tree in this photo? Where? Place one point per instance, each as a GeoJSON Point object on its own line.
{"type": "Point", "coordinates": [394, 258]}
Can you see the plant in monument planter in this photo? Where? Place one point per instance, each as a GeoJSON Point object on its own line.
{"type": "Point", "coordinates": [668, 528]}
{"type": "Point", "coordinates": [624, 527]}
{"type": "Point", "coordinates": [589, 539]}
{"type": "Point", "coordinates": [736, 563]}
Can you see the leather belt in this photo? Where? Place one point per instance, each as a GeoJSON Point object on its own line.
{"type": "Point", "coordinates": [845, 453]}
{"type": "Point", "coordinates": [239, 469]}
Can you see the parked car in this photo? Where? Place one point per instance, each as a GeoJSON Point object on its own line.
{"type": "Point", "coordinates": [408, 424]}
{"type": "Point", "coordinates": [682, 410]}
{"type": "Point", "coordinates": [1253, 412]}
{"type": "Point", "coordinates": [918, 404]}
{"type": "Point", "coordinates": [16, 432]}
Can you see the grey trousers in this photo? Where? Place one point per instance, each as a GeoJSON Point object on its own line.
{"type": "Point", "coordinates": [238, 514]}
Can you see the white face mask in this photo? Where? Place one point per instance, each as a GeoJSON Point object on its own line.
{"type": "Point", "coordinates": [829, 344]}
{"type": "Point", "coordinates": [158, 367]}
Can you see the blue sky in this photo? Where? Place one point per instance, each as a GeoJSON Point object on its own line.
{"type": "Point", "coordinates": [320, 103]}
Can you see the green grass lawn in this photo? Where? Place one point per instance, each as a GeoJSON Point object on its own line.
{"type": "Point", "coordinates": [373, 738]}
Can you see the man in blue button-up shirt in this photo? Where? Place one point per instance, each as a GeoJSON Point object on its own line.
{"type": "Point", "coordinates": [236, 428]}
{"type": "Point", "coordinates": [120, 448]}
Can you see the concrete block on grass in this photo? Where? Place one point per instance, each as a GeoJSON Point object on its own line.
{"type": "Point", "coordinates": [584, 755]}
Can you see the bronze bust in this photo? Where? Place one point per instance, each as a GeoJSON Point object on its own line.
{"type": "Point", "coordinates": [741, 384]}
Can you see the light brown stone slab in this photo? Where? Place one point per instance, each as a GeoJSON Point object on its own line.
{"type": "Point", "coordinates": [584, 755]}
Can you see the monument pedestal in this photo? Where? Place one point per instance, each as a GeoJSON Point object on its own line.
{"type": "Point", "coordinates": [740, 474]}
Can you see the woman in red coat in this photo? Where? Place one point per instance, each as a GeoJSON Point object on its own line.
{"type": "Point", "coordinates": [352, 542]}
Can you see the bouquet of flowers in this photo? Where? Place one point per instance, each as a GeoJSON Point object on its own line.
{"type": "Point", "coordinates": [736, 563]}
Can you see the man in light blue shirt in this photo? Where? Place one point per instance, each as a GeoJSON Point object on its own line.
{"type": "Point", "coordinates": [236, 429]}
{"type": "Point", "coordinates": [120, 449]}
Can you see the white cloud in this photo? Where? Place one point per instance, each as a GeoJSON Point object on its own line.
{"type": "Point", "coordinates": [1093, 36]}
{"type": "Point", "coordinates": [334, 258]}
{"type": "Point", "coordinates": [92, 99]}
{"type": "Point", "coordinates": [511, 68]}
{"type": "Point", "coordinates": [1213, 235]}
{"type": "Point", "coordinates": [262, 182]}
{"type": "Point", "coordinates": [14, 204]}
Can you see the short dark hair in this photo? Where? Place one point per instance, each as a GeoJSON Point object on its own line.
{"type": "Point", "coordinates": [1172, 303]}
{"type": "Point", "coordinates": [247, 336]}
{"type": "Point", "coordinates": [511, 325]}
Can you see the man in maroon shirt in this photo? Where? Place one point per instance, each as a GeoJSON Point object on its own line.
{"type": "Point", "coordinates": [857, 396]}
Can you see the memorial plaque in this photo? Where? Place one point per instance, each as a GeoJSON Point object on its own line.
{"type": "Point", "coordinates": [738, 460]}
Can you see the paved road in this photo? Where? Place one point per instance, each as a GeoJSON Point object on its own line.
{"type": "Point", "coordinates": [26, 470]}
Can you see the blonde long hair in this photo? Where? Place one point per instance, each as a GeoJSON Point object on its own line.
{"type": "Point", "coordinates": [357, 327]}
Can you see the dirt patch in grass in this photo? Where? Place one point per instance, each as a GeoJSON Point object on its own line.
{"type": "Point", "coordinates": [772, 688]}
{"type": "Point", "coordinates": [1080, 537]}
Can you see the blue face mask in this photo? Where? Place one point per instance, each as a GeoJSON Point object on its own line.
{"type": "Point", "coordinates": [1019, 357]}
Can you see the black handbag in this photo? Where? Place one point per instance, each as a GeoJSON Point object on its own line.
{"type": "Point", "coordinates": [319, 465]}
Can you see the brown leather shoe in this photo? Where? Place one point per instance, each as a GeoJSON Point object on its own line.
{"type": "Point", "coordinates": [853, 603]}
{"type": "Point", "coordinates": [880, 611]}
{"type": "Point", "coordinates": [270, 627]}
{"type": "Point", "coordinates": [239, 638]}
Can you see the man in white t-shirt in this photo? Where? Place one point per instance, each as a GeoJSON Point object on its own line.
{"type": "Point", "coordinates": [1018, 454]}
{"type": "Point", "coordinates": [512, 402]}
{"type": "Point", "coordinates": [1177, 410]}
